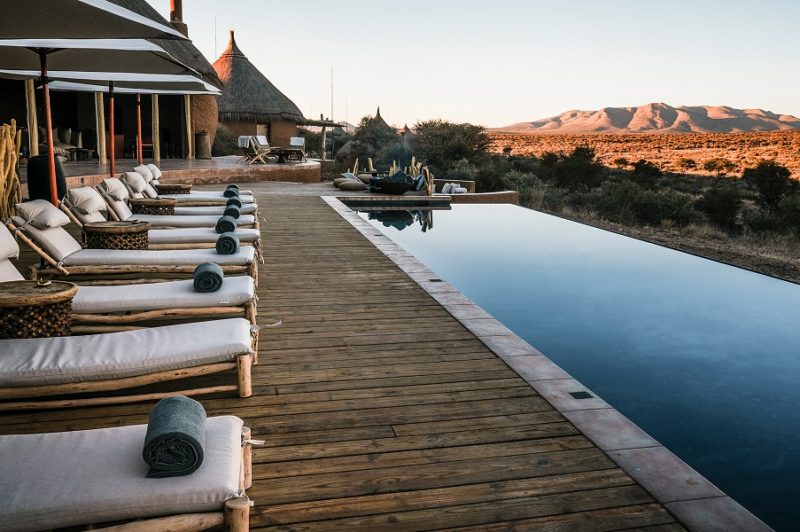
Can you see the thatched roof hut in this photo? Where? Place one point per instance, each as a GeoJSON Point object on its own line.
{"type": "Point", "coordinates": [248, 96]}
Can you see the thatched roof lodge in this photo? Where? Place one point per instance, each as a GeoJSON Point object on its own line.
{"type": "Point", "coordinates": [250, 104]}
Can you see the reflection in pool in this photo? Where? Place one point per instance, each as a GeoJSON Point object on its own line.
{"type": "Point", "coordinates": [703, 356]}
{"type": "Point", "coordinates": [400, 219]}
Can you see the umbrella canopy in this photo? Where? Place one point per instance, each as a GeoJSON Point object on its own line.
{"type": "Point", "coordinates": [95, 55]}
{"type": "Point", "coordinates": [193, 86]}
{"type": "Point", "coordinates": [79, 19]}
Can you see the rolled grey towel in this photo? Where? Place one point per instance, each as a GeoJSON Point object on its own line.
{"type": "Point", "coordinates": [175, 438]}
{"type": "Point", "coordinates": [232, 211]}
{"type": "Point", "coordinates": [208, 277]}
{"type": "Point", "coordinates": [231, 192]}
{"type": "Point", "coordinates": [226, 224]}
{"type": "Point", "coordinates": [227, 244]}
{"type": "Point", "coordinates": [233, 185]}
{"type": "Point", "coordinates": [234, 201]}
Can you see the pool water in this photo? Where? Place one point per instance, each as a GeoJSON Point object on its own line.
{"type": "Point", "coordinates": [703, 356]}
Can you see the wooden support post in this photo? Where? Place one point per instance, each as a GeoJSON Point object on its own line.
{"type": "Point", "coordinates": [243, 366]}
{"type": "Point", "coordinates": [100, 126]}
{"type": "Point", "coordinates": [247, 459]}
{"type": "Point", "coordinates": [51, 155]}
{"type": "Point", "coordinates": [139, 128]}
{"type": "Point", "coordinates": [111, 139]}
{"type": "Point", "coordinates": [324, 140]}
{"type": "Point", "coordinates": [156, 128]}
{"type": "Point", "coordinates": [187, 104]}
{"type": "Point", "coordinates": [33, 124]}
{"type": "Point", "coordinates": [237, 515]}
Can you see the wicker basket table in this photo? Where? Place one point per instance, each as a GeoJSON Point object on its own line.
{"type": "Point", "coordinates": [162, 206]}
{"type": "Point", "coordinates": [29, 309]}
{"type": "Point", "coordinates": [173, 188]}
{"type": "Point", "coordinates": [117, 235]}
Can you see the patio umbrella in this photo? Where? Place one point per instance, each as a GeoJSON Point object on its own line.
{"type": "Point", "coordinates": [106, 58]}
{"type": "Point", "coordinates": [79, 19]}
{"type": "Point", "coordinates": [191, 85]}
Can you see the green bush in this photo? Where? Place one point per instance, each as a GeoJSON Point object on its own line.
{"type": "Point", "coordinates": [645, 174]}
{"type": "Point", "coordinates": [719, 166]}
{"type": "Point", "coordinates": [579, 170]}
{"type": "Point", "coordinates": [393, 152]}
{"type": "Point", "coordinates": [463, 170]}
{"type": "Point", "coordinates": [771, 181]}
{"type": "Point", "coordinates": [440, 144]}
{"type": "Point", "coordinates": [629, 203]}
{"type": "Point", "coordinates": [790, 213]}
{"type": "Point", "coordinates": [531, 189]}
{"type": "Point", "coordinates": [224, 143]}
{"type": "Point", "coordinates": [721, 204]}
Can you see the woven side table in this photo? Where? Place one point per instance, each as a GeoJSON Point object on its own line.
{"type": "Point", "coordinates": [173, 188]}
{"type": "Point", "coordinates": [162, 206]}
{"type": "Point", "coordinates": [29, 309]}
{"type": "Point", "coordinates": [117, 235]}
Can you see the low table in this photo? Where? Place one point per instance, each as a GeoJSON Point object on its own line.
{"type": "Point", "coordinates": [33, 309]}
{"type": "Point", "coordinates": [173, 188]}
{"type": "Point", "coordinates": [162, 206]}
{"type": "Point", "coordinates": [117, 235]}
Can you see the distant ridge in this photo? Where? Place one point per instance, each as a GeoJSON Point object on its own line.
{"type": "Point", "coordinates": [659, 118]}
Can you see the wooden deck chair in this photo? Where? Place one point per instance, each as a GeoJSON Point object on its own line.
{"type": "Point", "coordinates": [64, 257]}
{"type": "Point", "coordinates": [297, 149]}
{"type": "Point", "coordinates": [260, 154]}
{"type": "Point", "coordinates": [111, 308]}
{"type": "Point", "coordinates": [89, 477]}
{"type": "Point", "coordinates": [39, 372]}
{"type": "Point", "coordinates": [85, 205]}
{"type": "Point", "coordinates": [243, 144]}
{"type": "Point", "coordinates": [116, 195]}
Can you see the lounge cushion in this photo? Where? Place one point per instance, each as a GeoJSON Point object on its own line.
{"type": "Point", "coordinates": [96, 357]}
{"type": "Point", "coordinates": [352, 185]}
{"type": "Point", "coordinates": [135, 183]}
{"type": "Point", "coordinates": [8, 244]}
{"type": "Point", "coordinates": [236, 290]}
{"type": "Point", "coordinates": [157, 220]}
{"type": "Point", "coordinates": [197, 234]}
{"type": "Point", "coordinates": [56, 241]}
{"type": "Point", "coordinates": [249, 208]}
{"type": "Point", "coordinates": [8, 272]}
{"type": "Point", "coordinates": [154, 170]}
{"type": "Point", "coordinates": [181, 257]}
{"type": "Point", "coordinates": [56, 480]}
{"type": "Point", "coordinates": [115, 188]}
{"type": "Point", "coordinates": [41, 214]}
{"type": "Point", "coordinates": [86, 200]}
{"type": "Point", "coordinates": [144, 171]}
{"type": "Point", "coordinates": [207, 197]}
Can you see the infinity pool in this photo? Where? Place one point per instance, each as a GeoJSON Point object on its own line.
{"type": "Point", "coordinates": [703, 356]}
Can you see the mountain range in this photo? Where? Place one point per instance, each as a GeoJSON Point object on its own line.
{"type": "Point", "coordinates": [659, 118]}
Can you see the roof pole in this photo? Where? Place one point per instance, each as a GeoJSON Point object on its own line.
{"type": "Point", "coordinates": [156, 129]}
{"type": "Point", "coordinates": [111, 135]}
{"type": "Point", "coordinates": [33, 126]}
{"type": "Point", "coordinates": [139, 127]}
{"type": "Point", "coordinates": [100, 122]}
{"type": "Point", "coordinates": [51, 154]}
{"type": "Point", "coordinates": [187, 103]}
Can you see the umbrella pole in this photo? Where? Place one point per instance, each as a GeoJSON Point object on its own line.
{"type": "Point", "coordinates": [111, 139]}
{"type": "Point", "coordinates": [139, 126]}
{"type": "Point", "coordinates": [51, 154]}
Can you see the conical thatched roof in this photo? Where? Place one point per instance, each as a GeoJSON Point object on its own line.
{"type": "Point", "coordinates": [247, 95]}
{"type": "Point", "coordinates": [183, 51]}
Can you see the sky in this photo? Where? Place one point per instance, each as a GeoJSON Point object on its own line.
{"type": "Point", "coordinates": [505, 61]}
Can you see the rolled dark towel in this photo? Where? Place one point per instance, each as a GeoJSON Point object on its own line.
{"type": "Point", "coordinates": [231, 192]}
{"type": "Point", "coordinates": [226, 224]}
{"type": "Point", "coordinates": [176, 437]}
{"type": "Point", "coordinates": [227, 244]}
{"type": "Point", "coordinates": [233, 185]}
{"type": "Point", "coordinates": [234, 201]}
{"type": "Point", "coordinates": [208, 277]}
{"type": "Point", "coordinates": [232, 211]}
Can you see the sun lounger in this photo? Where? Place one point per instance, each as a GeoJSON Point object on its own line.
{"type": "Point", "coordinates": [86, 205]}
{"type": "Point", "coordinates": [116, 196]}
{"type": "Point", "coordinates": [32, 370]}
{"type": "Point", "coordinates": [67, 479]}
{"type": "Point", "coordinates": [137, 189]}
{"type": "Point", "coordinates": [65, 256]}
{"type": "Point", "coordinates": [105, 308]}
{"type": "Point", "coordinates": [152, 175]}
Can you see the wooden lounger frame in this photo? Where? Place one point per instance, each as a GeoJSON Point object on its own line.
{"type": "Point", "coordinates": [173, 246]}
{"type": "Point", "coordinates": [244, 386]}
{"type": "Point", "coordinates": [234, 517]}
{"type": "Point", "coordinates": [120, 273]}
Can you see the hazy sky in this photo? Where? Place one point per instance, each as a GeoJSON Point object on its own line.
{"type": "Point", "coordinates": [504, 61]}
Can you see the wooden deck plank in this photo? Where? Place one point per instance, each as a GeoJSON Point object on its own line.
{"type": "Point", "coordinates": [380, 410]}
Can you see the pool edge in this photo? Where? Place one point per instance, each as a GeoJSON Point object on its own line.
{"type": "Point", "coordinates": [692, 499]}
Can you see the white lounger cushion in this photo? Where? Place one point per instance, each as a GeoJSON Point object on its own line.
{"type": "Point", "coordinates": [247, 208]}
{"type": "Point", "coordinates": [55, 241]}
{"type": "Point", "coordinates": [92, 476]}
{"type": "Point", "coordinates": [157, 220]}
{"type": "Point", "coordinates": [192, 235]}
{"type": "Point", "coordinates": [203, 196]}
{"type": "Point", "coordinates": [9, 273]}
{"type": "Point", "coordinates": [8, 244]}
{"type": "Point", "coordinates": [95, 357]}
{"type": "Point", "coordinates": [156, 296]}
{"type": "Point", "coordinates": [182, 257]}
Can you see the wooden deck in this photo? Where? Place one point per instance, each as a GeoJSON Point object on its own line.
{"type": "Point", "coordinates": [381, 411]}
